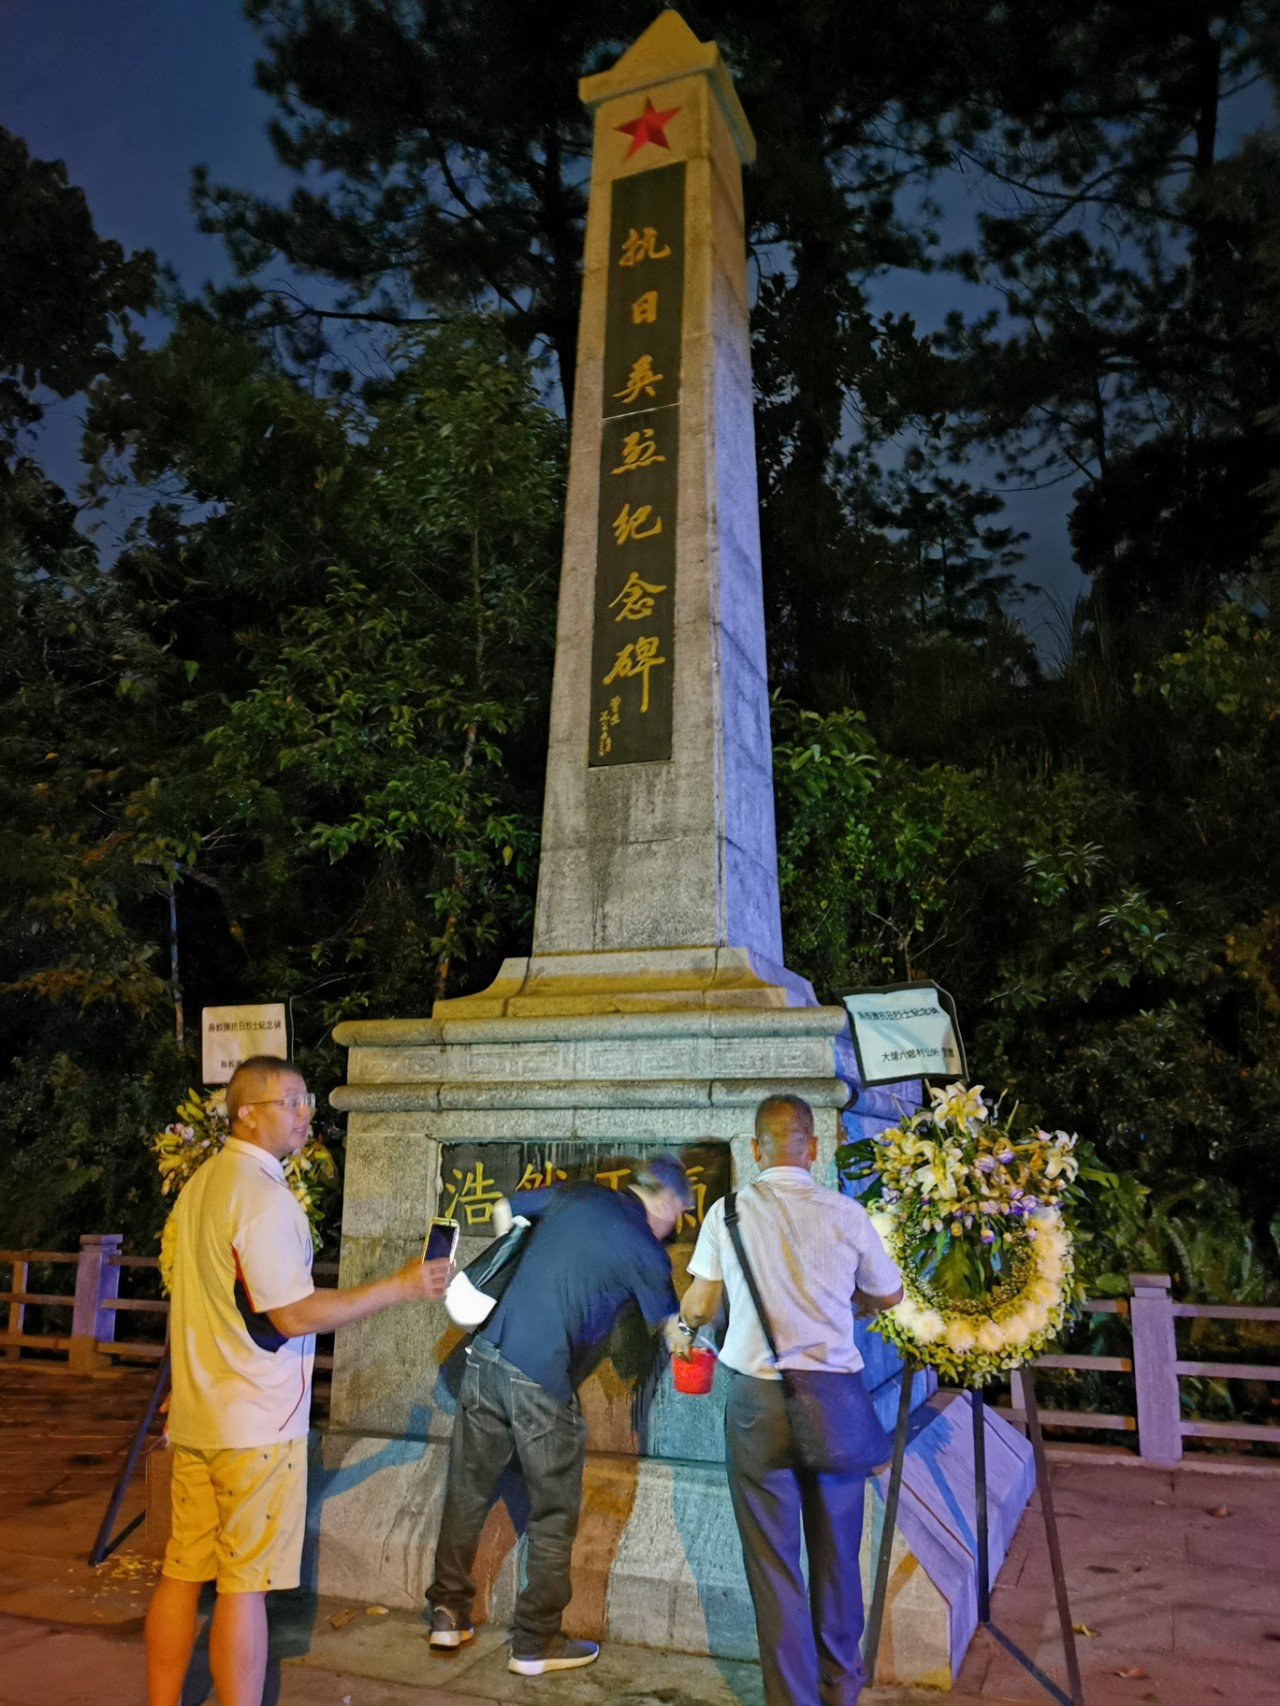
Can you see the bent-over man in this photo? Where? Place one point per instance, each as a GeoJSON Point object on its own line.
{"type": "Point", "coordinates": [591, 1251]}
{"type": "Point", "coordinates": [242, 1327]}
{"type": "Point", "coordinates": [816, 1257]}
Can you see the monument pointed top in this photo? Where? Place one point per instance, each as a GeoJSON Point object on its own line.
{"type": "Point", "coordinates": [669, 49]}
{"type": "Point", "coordinates": [668, 46]}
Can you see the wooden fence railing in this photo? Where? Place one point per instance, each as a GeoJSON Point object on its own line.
{"type": "Point", "coordinates": [90, 1339]}
{"type": "Point", "coordinates": [91, 1342]}
{"type": "Point", "coordinates": [1157, 1368]}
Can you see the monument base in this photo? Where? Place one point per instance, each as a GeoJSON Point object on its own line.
{"type": "Point", "coordinates": [657, 1561]}
{"type": "Point", "coordinates": [438, 1109]}
{"type": "Point", "coordinates": [630, 980]}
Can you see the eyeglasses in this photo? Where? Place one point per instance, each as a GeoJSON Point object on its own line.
{"type": "Point", "coordinates": [295, 1103]}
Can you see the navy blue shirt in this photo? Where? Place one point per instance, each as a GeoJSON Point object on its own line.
{"type": "Point", "coordinates": [590, 1252]}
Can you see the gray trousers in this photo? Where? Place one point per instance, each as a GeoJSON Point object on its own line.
{"type": "Point", "coordinates": [503, 1414]}
{"type": "Point", "coordinates": [809, 1642]}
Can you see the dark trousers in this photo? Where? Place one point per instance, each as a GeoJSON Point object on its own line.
{"type": "Point", "coordinates": [809, 1646]}
{"type": "Point", "coordinates": [503, 1414]}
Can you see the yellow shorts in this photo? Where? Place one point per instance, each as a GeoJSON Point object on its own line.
{"type": "Point", "coordinates": [239, 1516]}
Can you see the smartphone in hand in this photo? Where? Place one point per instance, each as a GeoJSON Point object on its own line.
{"type": "Point", "coordinates": [441, 1240]}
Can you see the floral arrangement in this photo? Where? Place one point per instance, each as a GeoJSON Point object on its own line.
{"type": "Point", "coordinates": [973, 1206]}
{"type": "Point", "coordinates": [198, 1133]}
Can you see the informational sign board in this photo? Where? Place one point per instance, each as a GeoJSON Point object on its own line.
{"type": "Point", "coordinates": [229, 1035]}
{"type": "Point", "coordinates": [633, 652]}
{"type": "Point", "coordinates": [904, 1030]}
{"type": "Point", "coordinates": [473, 1176]}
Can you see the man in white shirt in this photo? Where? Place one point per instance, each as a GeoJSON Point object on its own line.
{"type": "Point", "coordinates": [816, 1258]}
{"type": "Point", "coordinates": [242, 1326]}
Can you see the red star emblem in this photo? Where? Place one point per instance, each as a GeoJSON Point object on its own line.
{"type": "Point", "coordinates": [649, 127]}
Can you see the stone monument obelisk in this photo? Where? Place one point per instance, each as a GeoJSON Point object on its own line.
{"type": "Point", "coordinates": [654, 1010]}
{"type": "Point", "coordinates": [658, 886]}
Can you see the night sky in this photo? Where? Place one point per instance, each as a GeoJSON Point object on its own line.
{"type": "Point", "coordinates": [132, 94]}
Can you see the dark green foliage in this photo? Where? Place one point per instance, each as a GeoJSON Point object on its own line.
{"type": "Point", "coordinates": [65, 293]}
{"type": "Point", "coordinates": [1111, 936]}
{"type": "Point", "coordinates": [386, 765]}
{"type": "Point", "coordinates": [73, 1142]}
{"type": "Point", "coordinates": [289, 748]}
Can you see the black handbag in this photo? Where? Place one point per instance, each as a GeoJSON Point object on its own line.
{"type": "Point", "coordinates": [474, 1293]}
{"type": "Point", "coordinates": [834, 1426]}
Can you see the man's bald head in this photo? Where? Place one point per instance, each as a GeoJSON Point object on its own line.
{"type": "Point", "coordinates": [784, 1132]}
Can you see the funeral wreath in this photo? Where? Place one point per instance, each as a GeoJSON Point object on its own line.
{"type": "Point", "coordinates": [973, 1205]}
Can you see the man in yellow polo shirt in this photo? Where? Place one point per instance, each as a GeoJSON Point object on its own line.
{"type": "Point", "coordinates": [242, 1332]}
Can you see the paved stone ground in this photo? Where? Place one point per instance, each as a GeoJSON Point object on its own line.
{"type": "Point", "coordinates": [1176, 1576]}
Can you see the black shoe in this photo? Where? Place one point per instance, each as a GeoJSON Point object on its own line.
{"type": "Point", "coordinates": [559, 1653]}
{"type": "Point", "coordinates": [446, 1631]}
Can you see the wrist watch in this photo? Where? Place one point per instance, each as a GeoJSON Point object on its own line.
{"type": "Point", "coordinates": [682, 1326]}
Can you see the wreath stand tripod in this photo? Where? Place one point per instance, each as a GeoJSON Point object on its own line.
{"type": "Point", "coordinates": [104, 1544]}
{"type": "Point", "coordinates": [978, 1409]}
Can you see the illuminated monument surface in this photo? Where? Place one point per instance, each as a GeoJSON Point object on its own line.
{"type": "Point", "coordinates": [654, 1010]}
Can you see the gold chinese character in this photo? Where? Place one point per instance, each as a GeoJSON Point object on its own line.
{"type": "Point", "coordinates": [639, 450]}
{"type": "Point", "coordinates": [613, 1178]}
{"type": "Point", "coordinates": [610, 717]}
{"type": "Point", "coordinates": [694, 1216]}
{"type": "Point", "coordinates": [640, 246]}
{"type": "Point", "coordinates": [474, 1193]}
{"type": "Point", "coordinates": [644, 310]}
{"type": "Point", "coordinates": [533, 1180]}
{"type": "Point", "coordinates": [638, 657]}
{"type": "Point", "coordinates": [627, 524]}
{"type": "Point", "coordinates": [636, 599]}
{"type": "Point", "coordinates": [641, 378]}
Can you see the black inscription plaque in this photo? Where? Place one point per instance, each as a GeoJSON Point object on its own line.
{"type": "Point", "coordinates": [633, 651]}
{"type": "Point", "coordinates": [473, 1176]}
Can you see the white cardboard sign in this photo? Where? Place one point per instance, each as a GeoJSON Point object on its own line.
{"type": "Point", "coordinates": [904, 1030]}
{"type": "Point", "coordinates": [229, 1035]}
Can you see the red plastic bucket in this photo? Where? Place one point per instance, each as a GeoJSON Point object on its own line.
{"type": "Point", "coordinates": [694, 1373]}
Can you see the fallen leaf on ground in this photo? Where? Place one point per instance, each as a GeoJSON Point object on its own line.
{"type": "Point", "coordinates": [375, 1611]}
{"type": "Point", "coordinates": [1163, 1502]}
{"type": "Point", "coordinates": [1135, 1673]}
{"type": "Point", "coordinates": [340, 1619]}
{"type": "Point", "coordinates": [1084, 1629]}
{"type": "Point", "coordinates": [1221, 1510]}
{"type": "Point", "coordinates": [127, 1565]}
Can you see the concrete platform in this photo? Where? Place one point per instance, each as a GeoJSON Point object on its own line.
{"type": "Point", "coordinates": [1173, 1572]}
{"type": "Point", "coordinates": [658, 1561]}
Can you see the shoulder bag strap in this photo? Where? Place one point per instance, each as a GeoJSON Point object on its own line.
{"type": "Point", "coordinates": [731, 1222]}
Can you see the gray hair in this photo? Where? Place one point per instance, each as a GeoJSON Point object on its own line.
{"type": "Point", "coordinates": [663, 1172]}
{"type": "Point", "coordinates": [787, 1115]}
